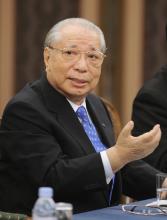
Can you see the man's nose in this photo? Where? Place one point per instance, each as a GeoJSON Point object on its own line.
{"type": "Point", "coordinates": [81, 64]}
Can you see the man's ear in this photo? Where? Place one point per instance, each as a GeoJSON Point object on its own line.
{"type": "Point", "coordinates": [46, 55]}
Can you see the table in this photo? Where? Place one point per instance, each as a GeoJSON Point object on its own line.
{"type": "Point", "coordinates": [116, 213]}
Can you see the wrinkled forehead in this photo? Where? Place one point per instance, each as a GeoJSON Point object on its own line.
{"type": "Point", "coordinates": [79, 37]}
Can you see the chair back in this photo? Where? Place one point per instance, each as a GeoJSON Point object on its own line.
{"type": "Point", "coordinates": [114, 117]}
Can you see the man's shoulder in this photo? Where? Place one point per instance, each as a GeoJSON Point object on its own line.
{"type": "Point", "coordinates": [157, 84]}
{"type": "Point", "coordinates": [160, 76]}
{"type": "Point", "coordinates": [26, 94]}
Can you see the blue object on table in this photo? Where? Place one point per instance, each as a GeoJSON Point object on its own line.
{"type": "Point", "coordinates": [116, 213]}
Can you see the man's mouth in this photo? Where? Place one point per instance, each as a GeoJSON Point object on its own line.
{"type": "Point", "coordinates": [78, 82]}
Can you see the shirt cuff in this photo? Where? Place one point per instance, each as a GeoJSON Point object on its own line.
{"type": "Point", "coordinates": [107, 167]}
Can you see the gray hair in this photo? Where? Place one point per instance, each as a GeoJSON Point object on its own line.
{"type": "Point", "coordinates": [54, 34]}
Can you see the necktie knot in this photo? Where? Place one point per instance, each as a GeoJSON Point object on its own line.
{"type": "Point", "coordinates": [82, 114]}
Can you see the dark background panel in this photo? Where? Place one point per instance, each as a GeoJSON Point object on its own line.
{"type": "Point", "coordinates": [33, 20]}
{"type": "Point", "coordinates": [155, 43]}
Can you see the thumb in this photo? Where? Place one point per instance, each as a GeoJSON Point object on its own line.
{"type": "Point", "coordinates": [126, 131]}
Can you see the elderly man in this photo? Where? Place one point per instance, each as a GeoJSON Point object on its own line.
{"type": "Point", "coordinates": [54, 132]}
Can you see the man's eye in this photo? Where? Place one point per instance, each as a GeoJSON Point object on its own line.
{"type": "Point", "coordinates": [69, 52]}
{"type": "Point", "coordinates": [93, 56]}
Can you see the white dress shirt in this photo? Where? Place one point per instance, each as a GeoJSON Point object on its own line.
{"type": "Point", "coordinates": [106, 164]}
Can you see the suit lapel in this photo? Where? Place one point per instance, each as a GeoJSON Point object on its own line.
{"type": "Point", "coordinates": [68, 119]}
{"type": "Point", "coordinates": [60, 108]}
{"type": "Point", "coordinates": [65, 115]}
{"type": "Point", "coordinates": [101, 120]}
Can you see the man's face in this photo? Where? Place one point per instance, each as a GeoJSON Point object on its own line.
{"type": "Point", "coordinates": [74, 78]}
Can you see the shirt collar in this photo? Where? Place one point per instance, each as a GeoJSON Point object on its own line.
{"type": "Point", "coordinates": [75, 107]}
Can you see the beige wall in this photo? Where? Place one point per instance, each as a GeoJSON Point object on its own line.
{"type": "Point", "coordinates": [90, 9]}
{"type": "Point", "coordinates": [7, 30]}
{"type": "Point", "coordinates": [132, 54]}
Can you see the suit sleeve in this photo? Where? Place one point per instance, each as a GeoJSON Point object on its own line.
{"type": "Point", "coordinates": [28, 144]}
{"type": "Point", "coordinates": [150, 108]}
{"type": "Point", "coordinates": [139, 180]}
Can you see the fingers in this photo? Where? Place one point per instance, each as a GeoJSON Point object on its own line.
{"type": "Point", "coordinates": [155, 133]}
{"type": "Point", "coordinates": [155, 130]}
{"type": "Point", "coordinates": [158, 134]}
{"type": "Point", "coordinates": [132, 148]}
{"type": "Point", "coordinates": [163, 196]}
{"type": "Point", "coordinates": [126, 131]}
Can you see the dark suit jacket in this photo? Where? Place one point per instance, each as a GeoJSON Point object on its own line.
{"type": "Point", "coordinates": [42, 143]}
{"type": "Point", "coordinates": [150, 108]}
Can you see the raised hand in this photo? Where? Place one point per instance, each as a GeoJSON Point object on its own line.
{"type": "Point", "coordinates": [129, 148]}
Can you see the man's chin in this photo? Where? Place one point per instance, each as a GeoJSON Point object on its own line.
{"type": "Point", "coordinates": [77, 97]}
{"type": "Point", "coordinates": [79, 92]}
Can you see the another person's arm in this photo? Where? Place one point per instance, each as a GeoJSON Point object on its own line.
{"type": "Point", "coordinates": [150, 108]}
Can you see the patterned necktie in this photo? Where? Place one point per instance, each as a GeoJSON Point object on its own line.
{"type": "Point", "coordinates": [90, 129]}
{"type": "Point", "coordinates": [93, 136]}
